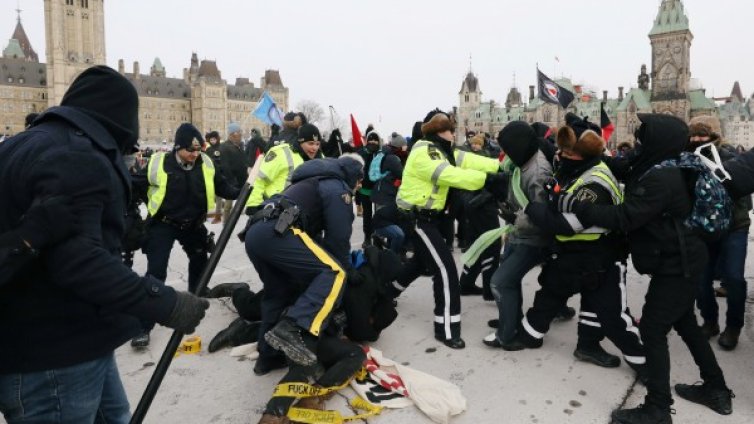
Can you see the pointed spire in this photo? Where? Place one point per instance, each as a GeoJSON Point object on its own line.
{"type": "Point", "coordinates": [670, 18]}
{"type": "Point", "coordinates": [736, 93]}
{"type": "Point", "coordinates": [23, 40]}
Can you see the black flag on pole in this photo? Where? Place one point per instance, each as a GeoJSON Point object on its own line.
{"type": "Point", "coordinates": [551, 92]}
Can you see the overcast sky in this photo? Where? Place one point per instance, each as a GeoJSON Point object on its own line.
{"type": "Point", "coordinates": [390, 61]}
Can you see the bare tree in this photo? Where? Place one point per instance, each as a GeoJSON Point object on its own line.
{"type": "Point", "coordinates": [312, 110]}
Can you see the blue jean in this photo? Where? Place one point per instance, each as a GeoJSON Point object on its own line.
{"type": "Point", "coordinates": [517, 260]}
{"type": "Point", "coordinates": [728, 258]}
{"type": "Point", "coordinates": [90, 392]}
{"type": "Point", "coordinates": [395, 236]}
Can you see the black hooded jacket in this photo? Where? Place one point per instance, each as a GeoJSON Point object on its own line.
{"type": "Point", "coordinates": [656, 201]}
{"type": "Point", "coordinates": [79, 302]}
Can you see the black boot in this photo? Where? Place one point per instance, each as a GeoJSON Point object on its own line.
{"type": "Point", "coordinates": [596, 355]}
{"type": "Point", "coordinates": [522, 340]}
{"type": "Point", "coordinates": [265, 365]}
{"type": "Point", "coordinates": [238, 333]}
{"type": "Point", "coordinates": [644, 414]}
{"type": "Point", "coordinates": [225, 290]}
{"type": "Point", "coordinates": [565, 314]}
{"type": "Point", "coordinates": [141, 341]}
{"type": "Point", "coordinates": [493, 323]}
{"type": "Point", "coordinates": [471, 290]}
{"type": "Point", "coordinates": [288, 338]}
{"type": "Point", "coordinates": [717, 399]}
{"type": "Point", "coordinates": [729, 338]}
{"type": "Point", "coordinates": [453, 343]}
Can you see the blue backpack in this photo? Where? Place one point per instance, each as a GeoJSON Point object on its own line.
{"type": "Point", "coordinates": [712, 210]}
{"type": "Point", "coordinates": [375, 174]}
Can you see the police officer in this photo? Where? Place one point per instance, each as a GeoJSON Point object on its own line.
{"type": "Point", "coordinates": [589, 261]}
{"type": "Point", "coordinates": [432, 169]}
{"type": "Point", "coordinates": [280, 161]}
{"type": "Point", "coordinates": [180, 188]}
{"type": "Point", "coordinates": [299, 244]}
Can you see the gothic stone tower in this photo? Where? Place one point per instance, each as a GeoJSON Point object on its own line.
{"type": "Point", "coordinates": [671, 42]}
{"type": "Point", "coordinates": [75, 35]}
{"type": "Point", "coordinates": [470, 98]}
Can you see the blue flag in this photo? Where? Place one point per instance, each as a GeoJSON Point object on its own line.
{"type": "Point", "coordinates": [267, 111]}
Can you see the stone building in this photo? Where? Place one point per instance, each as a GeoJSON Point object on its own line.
{"type": "Point", "coordinates": [75, 40]}
{"type": "Point", "coordinates": [666, 88]}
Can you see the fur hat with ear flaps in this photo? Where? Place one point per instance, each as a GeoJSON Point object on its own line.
{"type": "Point", "coordinates": [436, 122]}
{"type": "Point", "coordinates": [588, 144]}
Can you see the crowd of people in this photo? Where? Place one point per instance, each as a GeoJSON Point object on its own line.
{"type": "Point", "coordinates": [70, 222]}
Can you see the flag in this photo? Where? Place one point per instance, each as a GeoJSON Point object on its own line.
{"type": "Point", "coordinates": [267, 111]}
{"type": "Point", "coordinates": [357, 141]}
{"type": "Point", "coordinates": [605, 123]}
{"type": "Point", "coordinates": [551, 92]}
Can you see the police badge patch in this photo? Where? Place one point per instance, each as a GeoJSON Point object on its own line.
{"type": "Point", "coordinates": [270, 157]}
{"type": "Point", "coordinates": [347, 199]}
{"type": "Point", "coordinates": [433, 153]}
{"type": "Point", "coordinates": [586, 195]}
{"type": "Point", "coordinates": [217, 153]}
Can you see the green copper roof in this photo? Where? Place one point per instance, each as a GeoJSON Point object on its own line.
{"type": "Point", "coordinates": [157, 65]}
{"type": "Point", "coordinates": [14, 50]}
{"type": "Point", "coordinates": [700, 101]}
{"type": "Point", "coordinates": [640, 97]}
{"type": "Point", "coordinates": [670, 18]}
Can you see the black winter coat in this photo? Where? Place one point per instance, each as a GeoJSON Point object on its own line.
{"type": "Point", "coordinates": [235, 163]}
{"type": "Point", "coordinates": [79, 302]}
{"type": "Point", "coordinates": [656, 202]}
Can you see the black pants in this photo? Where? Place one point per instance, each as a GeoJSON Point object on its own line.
{"type": "Point", "coordinates": [159, 243]}
{"type": "Point", "coordinates": [669, 303]}
{"type": "Point", "coordinates": [366, 206]}
{"type": "Point", "coordinates": [340, 358]}
{"type": "Point", "coordinates": [432, 255]}
{"type": "Point", "coordinates": [478, 222]}
{"type": "Point", "coordinates": [603, 308]}
{"type": "Point", "coordinates": [299, 277]}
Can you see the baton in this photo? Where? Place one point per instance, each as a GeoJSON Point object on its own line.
{"type": "Point", "coordinates": [209, 269]}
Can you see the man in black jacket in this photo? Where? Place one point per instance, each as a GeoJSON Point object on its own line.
{"type": "Point", "coordinates": [235, 163]}
{"type": "Point", "coordinates": [69, 312]}
{"type": "Point", "coordinates": [656, 202]}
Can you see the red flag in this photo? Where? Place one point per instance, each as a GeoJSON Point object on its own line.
{"type": "Point", "coordinates": [357, 141]}
{"type": "Point", "coordinates": [605, 123]}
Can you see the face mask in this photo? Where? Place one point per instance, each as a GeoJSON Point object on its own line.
{"type": "Point", "coordinates": [373, 147]}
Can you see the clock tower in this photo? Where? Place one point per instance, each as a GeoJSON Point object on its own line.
{"type": "Point", "coordinates": [671, 43]}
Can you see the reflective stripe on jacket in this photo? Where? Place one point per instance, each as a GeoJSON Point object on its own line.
{"type": "Point", "coordinates": [275, 173]}
{"type": "Point", "coordinates": [158, 181]}
{"type": "Point", "coordinates": [428, 175]}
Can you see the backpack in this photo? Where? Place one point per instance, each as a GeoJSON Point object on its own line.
{"type": "Point", "coordinates": [375, 173]}
{"type": "Point", "coordinates": [712, 209]}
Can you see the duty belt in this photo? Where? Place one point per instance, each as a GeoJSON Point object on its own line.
{"type": "Point", "coordinates": [182, 224]}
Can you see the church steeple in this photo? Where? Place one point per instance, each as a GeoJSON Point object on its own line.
{"type": "Point", "coordinates": [670, 18]}
{"type": "Point", "coordinates": [19, 34]}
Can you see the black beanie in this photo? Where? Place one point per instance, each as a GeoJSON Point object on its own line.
{"type": "Point", "coordinates": [185, 136]}
{"type": "Point", "coordinates": [519, 142]}
{"type": "Point", "coordinates": [579, 125]}
{"type": "Point", "coordinates": [308, 132]}
{"type": "Point", "coordinates": [109, 98]}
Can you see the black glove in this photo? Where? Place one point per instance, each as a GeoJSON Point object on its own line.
{"type": "Point", "coordinates": [480, 199]}
{"type": "Point", "coordinates": [48, 222]}
{"type": "Point", "coordinates": [355, 277]}
{"type": "Point", "coordinates": [187, 312]}
{"type": "Point", "coordinates": [497, 185]}
{"type": "Point", "coordinates": [507, 212]}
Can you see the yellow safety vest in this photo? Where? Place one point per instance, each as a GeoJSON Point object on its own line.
{"type": "Point", "coordinates": [158, 181]}
{"type": "Point", "coordinates": [275, 173]}
{"type": "Point", "coordinates": [428, 175]}
{"type": "Point", "coordinates": [601, 175]}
